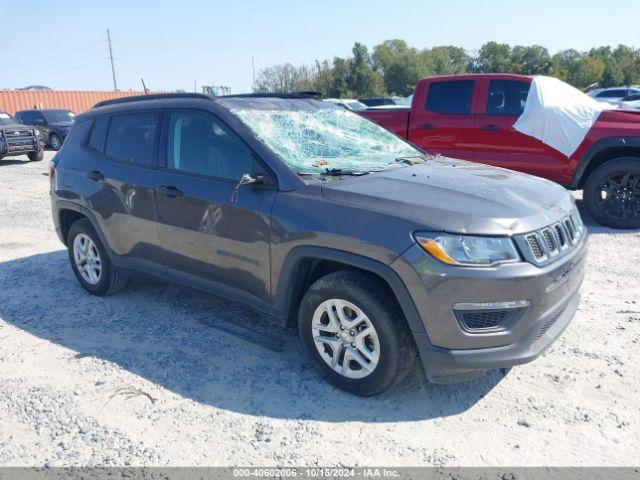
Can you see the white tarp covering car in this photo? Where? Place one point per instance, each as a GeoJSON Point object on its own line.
{"type": "Point", "coordinates": [558, 114]}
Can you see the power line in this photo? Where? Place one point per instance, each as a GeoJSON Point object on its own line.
{"type": "Point", "coordinates": [40, 75]}
{"type": "Point", "coordinates": [61, 54]}
{"type": "Point", "coordinates": [45, 68]}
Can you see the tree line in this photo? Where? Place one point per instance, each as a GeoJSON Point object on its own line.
{"type": "Point", "coordinates": [394, 68]}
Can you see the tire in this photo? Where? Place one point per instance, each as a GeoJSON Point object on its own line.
{"type": "Point", "coordinates": [110, 280]}
{"type": "Point", "coordinates": [392, 343]}
{"type": "Point", "coordinates": [618, 210]}
{"type": "Point", "coordinates": [36, 156]}
{"type": "Point", "coordinates": [55, 142]}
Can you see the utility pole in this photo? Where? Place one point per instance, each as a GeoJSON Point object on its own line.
{"type": "Point", "coordinates": [113, 69]}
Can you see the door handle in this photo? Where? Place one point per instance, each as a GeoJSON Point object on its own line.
{"type": "Point", "coordinates": [95, 176]}
{"type": "Point", "coordinates": [492, 128]}
{"type": "Point", "coordinates": [171, 191]}
{"type": "Point", "coordinates": [426, 126]}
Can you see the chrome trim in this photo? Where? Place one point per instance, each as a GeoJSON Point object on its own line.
{"type": "Point", "coordinates": [564, 236]}
{"type": "Point", "coordinates": [491, 305]}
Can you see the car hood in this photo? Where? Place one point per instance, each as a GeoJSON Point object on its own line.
{"type": "Point", "coordinates": [458, 197]}
{"type": "Point", "coordinates": [16, 126]}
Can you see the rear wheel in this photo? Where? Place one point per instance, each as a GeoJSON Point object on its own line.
{"type": "Point", "coordinates": [55, 141]}
{"type": "Point", "coordinates": [90, 261]}
{"type": "Point", "coordinates": [612, 193]}
{"type": "Point", "coordinates": [354, 333]}
{"type": "Point", "coordinates": [36, 156]}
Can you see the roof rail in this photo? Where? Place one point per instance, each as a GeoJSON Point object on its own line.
{"type": "Point", "coordinates": [299, 95]}
{"type": "Point", "coordinates": [154, 96]}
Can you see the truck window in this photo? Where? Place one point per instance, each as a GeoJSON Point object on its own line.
{"type": "Point", "coordinates": [507, 97]}
{"type": "Point", "coordinates": [452, 97]}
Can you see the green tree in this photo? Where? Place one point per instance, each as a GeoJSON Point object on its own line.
{"type": "Point", "coordinates": [494, 58]}
{"type": "Point", "coordinates": [362, 79]}
{"type": "Point", "coordinates": [400, 66]}
{"type": "Point", "coordinates": [534, 60]}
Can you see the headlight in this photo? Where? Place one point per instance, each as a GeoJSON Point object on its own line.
{"type": "Point", "coordinates": [37, 132]}
{"type": "Point", "coordinates": [464, 250]}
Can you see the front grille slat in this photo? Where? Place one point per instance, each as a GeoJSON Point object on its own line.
{"type": "Point", "coordinates": [536, 246]}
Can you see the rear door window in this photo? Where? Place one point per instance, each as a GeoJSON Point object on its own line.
{"type": "Point", "coordinates": [507, 97]}
{"type": "Point", "coordinates": [132, 138]}
{"type": "Point", "coordinates": [450, 97]}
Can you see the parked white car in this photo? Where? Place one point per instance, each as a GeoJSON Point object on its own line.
{"type": "Point", "coordinates": [348, 103]}
{"type": "Point", "coordinates": [631, 102]}
{"type": "Point", "coordinates": [614, 95]}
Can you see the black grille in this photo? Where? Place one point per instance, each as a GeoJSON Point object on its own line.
{"type": "Point", "coordinates": [547, 326]}
{"type": "Point", "coordinates": [560, 234]}
{"type": "Point", "coordinates": [548, 239]}
{"type": "Point", "coordinates": [486, 319]}
{"type": "Point", "coordinates": [570, 230]}
{"type": "Point", "coordinates": [19, 140]}
{"type": "Point", "coordinates": [536, 247]}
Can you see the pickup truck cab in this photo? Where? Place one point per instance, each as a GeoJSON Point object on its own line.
{"type": "Point", "coordinates": [471, 117]}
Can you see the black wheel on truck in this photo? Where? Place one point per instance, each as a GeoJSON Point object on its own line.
{"type": "Point", "coordinates": [36, 156]}
{"type": "Point", "coordinates": [612, 193]}
{"type": "Point", "coordinates": [354, 333]}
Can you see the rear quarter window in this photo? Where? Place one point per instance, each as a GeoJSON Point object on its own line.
{"type": "Point", "coordinates": [450, 97]}
{"type": "Point", "coordinates": [98, 133]}
{"type": "Point", "coordinates": [131, 138]}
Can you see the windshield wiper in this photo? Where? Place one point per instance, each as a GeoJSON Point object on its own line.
{"type": "Point", "coordinates": [335, 172]}
{"type": "Point", "coordinates": [411, 160]}
{"type": "Point", "coordinates": [341, 171]}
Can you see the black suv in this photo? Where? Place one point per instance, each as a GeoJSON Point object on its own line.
{"type": "Point", "coordinates": [54, 124]}
{"type": "Point", "coordinates": [19, 139]}
{"type": "Point", "coordinates": [317, 217]}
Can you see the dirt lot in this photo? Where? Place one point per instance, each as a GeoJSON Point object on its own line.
{"type": "Point", "coordinates": [154, 377]}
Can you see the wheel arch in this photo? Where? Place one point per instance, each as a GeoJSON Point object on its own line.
{"type": "Point", "coordinates": [68, 213]}
{"type": "Point", "coordinates": [305, 264]}
{"type": "Point", "coordinates": [601, 152]}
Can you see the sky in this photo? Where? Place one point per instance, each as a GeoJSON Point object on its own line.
{"type": "Point", "coordinates": [172, 44]}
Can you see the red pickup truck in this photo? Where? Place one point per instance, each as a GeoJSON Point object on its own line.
{"type": "Point", "coordinates": [471, 117]}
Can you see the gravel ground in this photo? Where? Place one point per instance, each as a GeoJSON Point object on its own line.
{"type": "Point", "coordinates": [151, 377]}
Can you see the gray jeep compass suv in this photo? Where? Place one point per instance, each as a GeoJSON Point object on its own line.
{"type": "Point", "coordinates": [315, 216]}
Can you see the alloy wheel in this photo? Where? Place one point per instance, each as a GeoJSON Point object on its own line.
{"type": "Point", "coordinates": [619, 196]}
{"type": "Point", "coordinates": [345, 338]}
{"type": "Point", "coordinates": [87, 259]}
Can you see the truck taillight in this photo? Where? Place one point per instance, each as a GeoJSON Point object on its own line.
{"type": "Point", "coordinates": [52, 169]}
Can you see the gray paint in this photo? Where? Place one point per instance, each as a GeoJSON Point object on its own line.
{"type": "Point", "coordinates": [249, 250]}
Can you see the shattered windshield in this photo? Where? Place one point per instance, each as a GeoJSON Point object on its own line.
{"type": "Point", "coordinates": [317, 140]}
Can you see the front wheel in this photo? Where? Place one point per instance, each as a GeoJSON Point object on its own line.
{"type": "Point", "coordinates": [612, 193]}
{"type": "Point", "coordinates": [36, 156]}
{"type": "Point", "coordinates": [55, 141]}
{"type": "Point", "coordinates": [354, 333]}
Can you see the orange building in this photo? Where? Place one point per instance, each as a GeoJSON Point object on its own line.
{"type": "Point", "coordinates": [78, 101]}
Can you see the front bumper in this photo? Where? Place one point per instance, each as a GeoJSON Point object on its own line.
{"type": "Point", "coordinates": [450, 353]}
